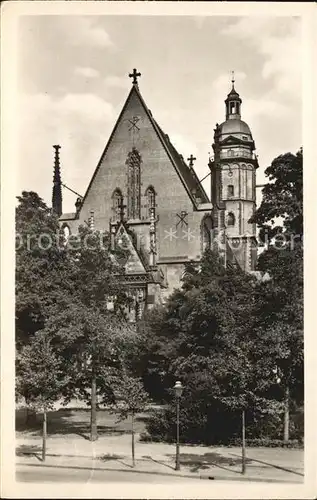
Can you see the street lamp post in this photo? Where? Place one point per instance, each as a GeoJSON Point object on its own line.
{"type": "Point", "coordinates": [178, 388]}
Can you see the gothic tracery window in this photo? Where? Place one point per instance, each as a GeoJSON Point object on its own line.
{"type": "Point", "coordinates": [150, 199]}
{"type": "Point", "coordinates": [134, 183]}
{"type": "Point", "coordinates": [117, 199]}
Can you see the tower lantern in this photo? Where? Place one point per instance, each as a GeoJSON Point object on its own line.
{"type": "Point", "coordinates": [233, 102]}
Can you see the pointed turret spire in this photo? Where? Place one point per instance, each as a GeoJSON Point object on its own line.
{"type": "Point", "coordinates": [57, 184]}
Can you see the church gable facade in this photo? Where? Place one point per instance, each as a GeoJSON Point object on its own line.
{"type": "Point", "coordinates": [142, 187]}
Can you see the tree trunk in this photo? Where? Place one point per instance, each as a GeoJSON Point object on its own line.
{"type": "Point", "coordinates": [93, 411]}
{"type": "Point", "coordinates": [243, 442]}
{"type": "Point", "coordinates": [286, 416]}
{"type": "Point", "coordinates": [44, 435]}
{"type": "Point", "coordinates": [133, 452]}
{"type": "Point", "coordinates": [30, 418]}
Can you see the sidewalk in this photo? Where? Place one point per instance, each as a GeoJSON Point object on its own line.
{"type": "Point", "coordinates": [214, 463]}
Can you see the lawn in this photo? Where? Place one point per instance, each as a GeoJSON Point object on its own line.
{"type": "Point", "coordinates": [77, 421]}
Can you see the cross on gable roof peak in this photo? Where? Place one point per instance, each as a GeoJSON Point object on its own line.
{"type": "Point", "coordinates": [135, 74]}
{"type": "Point", "coordinates": [191, 160]}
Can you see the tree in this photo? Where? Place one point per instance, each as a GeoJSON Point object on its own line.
{"type": "Point", "coordinates": [224, 334]}
{"type": "Point", "coordinates": [130, 399]}
{"type": "Point", "coordinates": [279, 311]}
{"type": "Point", "coordinates": [65, 288]}
{"type": "Point", "coordinates": [41, 269]}
{"type": "Point", "coordinates": [210, 336]}
{"type": "Point", "coordinates": [203, 337]}
{"type": "Point", "coordinates": [281, 209]}
{"type": "Point", "coordinates": [85, 329]}
{"type": "Point", "coordinates": [39, 263]}
{"type": "Point", "coordinates": [279, 326]}
{"type": "Point", "coordinates": [39, 374]}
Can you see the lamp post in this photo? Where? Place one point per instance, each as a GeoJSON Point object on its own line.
{"type": "Point", "coordinates": [178, 388]}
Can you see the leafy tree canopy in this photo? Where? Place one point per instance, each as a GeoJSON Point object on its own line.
{"type": "Point", "coordinates": [279, 301]}
{"type": "Point", "coordinates": [281, 209]}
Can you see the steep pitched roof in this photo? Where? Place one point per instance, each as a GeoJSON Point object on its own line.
{"type": "Point", "coordinates": [68, 216]}
{"type": "Point", "coordinates": [135, 263]}
{"type": "Point", "coordinates": [186, 174]}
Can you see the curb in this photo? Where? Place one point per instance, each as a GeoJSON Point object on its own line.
{"type": "Point", "coordinates": [154, 473]}
{"type": "Point", "coordinates": [134, 470]}
{"type": "Point", "coordinates": [279, 467]}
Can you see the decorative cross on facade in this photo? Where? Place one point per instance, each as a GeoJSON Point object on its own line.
{"type": "Point", "coordinates": [191, 160]}
{"type": "Point", "coordinates": [135, 74]}
{"type": "Point", "coordinates": [121, 207]}
{"type": "Point", "coordinates": [133, 123]}
{"type": "Point", "coordinates": [182, 219]}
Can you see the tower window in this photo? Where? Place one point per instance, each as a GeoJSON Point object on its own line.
{"type": "Point", "coordinates": [230, 191]}
{"type": "Point", "coordinates": [231, 219]}
{"type": "Point", "coordinates": [233, 108]}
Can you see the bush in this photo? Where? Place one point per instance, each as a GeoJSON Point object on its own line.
{"type": "Point", "coordinates": [202, 424]}
{"type": "Point", "coordinates": [298, 423]}
{"type": "Point", "coordinates": [145, 437]}
{"type": "Point", "coordinates": [198, 425]}
{"type": "Point", "coordinates": [161, 425]}
{"type": "Point", "coordinates": [268, 443]}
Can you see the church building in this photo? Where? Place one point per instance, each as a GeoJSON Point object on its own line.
{"type": "Point", "coordinates": [151, 201]}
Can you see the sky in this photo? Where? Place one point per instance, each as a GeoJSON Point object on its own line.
{"type": "Point", "coordinates": [73, 81]}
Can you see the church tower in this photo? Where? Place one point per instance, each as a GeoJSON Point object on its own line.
{"type": "Point", "coordinates": [233, 190]}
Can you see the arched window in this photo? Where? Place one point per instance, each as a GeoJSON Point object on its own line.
{"type": "Point", "coordinates": [117, 199]}
{"type": "Point", "coordinates": [206, 238]}
{"type": "Point", "coordinates": [231, 219]}
{"type": "Point", "coordinates": [66, 232]}
{"type": "Point", "coordinates": [134, 182]}
{"type": "Point", "coordinates": [206, 233]}
{"type": "Point", "coordinates": [150, 199]}
{"type": "Point", "coordinates": [230, 191]}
